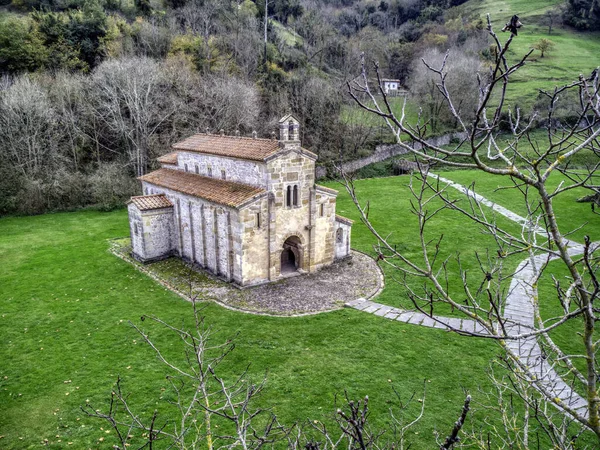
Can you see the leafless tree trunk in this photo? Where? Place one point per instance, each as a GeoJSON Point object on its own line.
{"type": "Point", "coordinates": [541, 238]}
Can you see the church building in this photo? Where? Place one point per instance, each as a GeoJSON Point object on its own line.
{"type": "Point", "coordinates": [244, 208]}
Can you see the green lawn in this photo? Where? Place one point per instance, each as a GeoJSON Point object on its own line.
{"type": "Point", "coordinates": [65, 303]}
{"type": "Point", "coordinates": [64, 306]}
{"type": "Point", "coordinates": [569, 214]}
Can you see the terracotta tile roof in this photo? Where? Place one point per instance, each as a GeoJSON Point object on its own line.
{"type": "Point", "coordinates": [232, 146]}
{"type": "Point", "coordinates": [343, 219]}
{"type": "Point", "coordinates": [214, 190]}
{"type": "Point", "coordinates": [169, 158]}
{"type": "Point", "coordinates": [148, 202]}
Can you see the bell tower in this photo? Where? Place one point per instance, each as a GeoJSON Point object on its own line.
{"type": "Point", "coordinates": [289, 132]}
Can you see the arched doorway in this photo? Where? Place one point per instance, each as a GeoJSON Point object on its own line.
{"type": "Point", "coordinates": [291, 255]}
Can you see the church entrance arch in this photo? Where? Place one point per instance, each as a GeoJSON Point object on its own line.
{"type": "Point", "coordinates": [291, 255]}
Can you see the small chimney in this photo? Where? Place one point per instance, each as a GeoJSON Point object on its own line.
{"type": "Point", "coordinates": [273, 135]}
{"type": "Point", "coordinates": [222, 132]}
{"type": "Point", "coordinates": [237, 133]}
{"type": "Point", "coordinates": [207, 130]}
{"type": "Point", "coordinates": [254, 134]}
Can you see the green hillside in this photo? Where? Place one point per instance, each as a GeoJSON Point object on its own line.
{"type": "Point", "coordinates": [575, 52]}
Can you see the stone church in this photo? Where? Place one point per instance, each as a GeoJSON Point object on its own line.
{"type": "Point", "coordinates": [244, 208]}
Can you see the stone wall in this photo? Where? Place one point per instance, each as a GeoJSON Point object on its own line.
{"type": "Point", "coordinates": [386, 151]}
{"type": "Point", "coordinates": [254, 239]}
{"type": "Point", "coordinates": [342, 239]}
{"type": "Point", "coordinates": [151, 232]}
{"type": "Point", "coordinates": [201, 233]}
{"type": "Point", "coordinates": [291, 169]}
{"type": "Point", "coordinates": [239, 170]}
{"type": "Point", "coordinates": [324, 228]}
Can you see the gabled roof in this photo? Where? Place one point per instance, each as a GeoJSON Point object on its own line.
{"type": "Point", "coordinates": [326, 190]}
{"type": "Point", "coordinates": [169, 158]}
{"type": "Point", "coordinates": [218, 191]}
{"type": "Point", "coordinates": [343, 219]}
{"type": "Point", "coordinates": [287, 118]}
{"type": "Point", "coordinates": [232, 146]}
{"type": "Point", "coordinates": [149, 202]}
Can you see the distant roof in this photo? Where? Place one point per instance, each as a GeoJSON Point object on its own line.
{"type": "Point", "coordinates": [233, 146]}
{"type": "Point", "coordinates": [343, 219]}
{"type": "Point", "coordinates": [390, 80]}
{"type": "Point", "coordinates": [326, 189]}
{"type": "Point", "coordinates": [169, 158]}
{"type": "Point", "coordinates": [214, 190]}
{"type": "Point", "coordinates": [149, 202]}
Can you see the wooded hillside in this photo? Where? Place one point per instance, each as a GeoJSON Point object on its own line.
{"type": "Point", "coordinates": [92, 91]}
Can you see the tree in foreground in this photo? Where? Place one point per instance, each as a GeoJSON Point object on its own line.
{"type": "Point", "coordinates": [531, 164]}
{"type": "Point", "coordinates": [206, 407]}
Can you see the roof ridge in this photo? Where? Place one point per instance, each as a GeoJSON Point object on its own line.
{"type": "Point", "coordinates": [248, 138]}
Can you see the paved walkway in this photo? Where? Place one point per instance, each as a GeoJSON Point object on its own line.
{"type": "Point", "coordinates": [518, 312]}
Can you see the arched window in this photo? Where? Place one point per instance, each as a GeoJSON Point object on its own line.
{"type": "Point", "coordinates": [295, 195]}
{"type": "Point", "coordinates": [288, 197]}
{"type": "Point", "coordinates": [209, 171]}
{"type": "Point", "coordinates": [322, 212]}
{"type": "Point", "coordinates": [339, 236]}
{"type": "Point", "coordinates": [197, 169]}
{"type": "Point", "coordinates": [290, 130]}
{"type": "Point", "coordinates": [185, 166]}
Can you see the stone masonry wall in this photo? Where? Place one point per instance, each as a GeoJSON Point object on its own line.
{"type": "Point", "coordinates": [238, 170]}
{"type": "Point", "coordinates": [200, 233]}
{"type": "Point", "coordinates": [289, 170]}
{"type": "Point", "coordinates": [254, 238]}
{"type": "Point", "coordinates": [324, 228]}
{"type": "Point", "coordinates": [386, 151]}
{"type": "Point", "coordinates": [151, 232]}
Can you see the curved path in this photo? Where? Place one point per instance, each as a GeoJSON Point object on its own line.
{"type": "Point", "coordinates": [518, 311]}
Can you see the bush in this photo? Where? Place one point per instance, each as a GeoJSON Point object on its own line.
{"type": "Point", "coordinates": [111, 186]}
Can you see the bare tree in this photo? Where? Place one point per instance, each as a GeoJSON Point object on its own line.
{"type": "Point", "coordinates": [533, 357]}
{"type": "Point", "coordinates": [460, 83]}
{"type": "Point", "coordinates": [131, 99]}
{"type": "Point", "coordinates": [28, 127]}
{"type": "Point", "coordinates": [208, 409]}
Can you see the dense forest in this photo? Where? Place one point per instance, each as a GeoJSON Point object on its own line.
{"type": "Point", "coordinates": [92, 91]}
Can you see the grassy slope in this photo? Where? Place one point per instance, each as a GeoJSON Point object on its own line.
{"type": "Point", "coordinates": [64, 306]}
{"type": "Point", "coordinates": [575, 52]}
{"type": "Point", "coordinates": [570, 215]}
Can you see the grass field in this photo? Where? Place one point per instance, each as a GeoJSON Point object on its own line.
{"type": "Point", "coordinates": [64, 306]}
{"type": "Point", "coordinates": [65, 303]}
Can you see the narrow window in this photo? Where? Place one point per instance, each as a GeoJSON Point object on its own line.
{"type": "Point", "coordinates": [197, 169]}
{"type": "Point", "coordinates": [185, 166]}
{"type": "Point", "coordinates": [257, 220]}
{"type": "Point", "coordinates": [146, 191]}
{"type": "Point", "coordinates": [223, 174]}
{"type": "Point", "coordinates": [135, 229]}
{"type": "Point", "coordinates": [295, 195]}
{"type": "Point", "coordinates": [339, 235]}
{"type": "Point", "coordinates": [290, 130]}
{"type": "Point", "coordinates": [322, 212]}
{"type": "Point", "coordinates": [209, 171]}
{"type": "Point", "coordinates": [288, 198]}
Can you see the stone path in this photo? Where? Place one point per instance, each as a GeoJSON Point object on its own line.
{"type": "Point", "coordinates": [518, 312]}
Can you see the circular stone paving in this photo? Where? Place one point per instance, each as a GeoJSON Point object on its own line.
{"type": "Point", "coordinates": [325, 290]}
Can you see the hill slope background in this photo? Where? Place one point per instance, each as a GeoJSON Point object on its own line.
{"type": "Point", "coordinates": [70, 66]}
